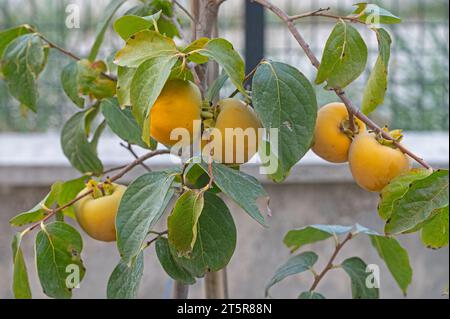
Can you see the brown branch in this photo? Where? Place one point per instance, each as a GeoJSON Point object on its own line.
{"type": "Point", "coordinates": [113, 169]}
{"type": "Point", "coordinates": [320, 13]}
{"type": "Point", "coordinates": [246, 79]}
{"type": "Point", "coordinates": [330, 265]}
{"type": "Point", "coordinates": [119, 175]}
{"type": "Point", "coordinates": [341, 94]}
{"type": "Point", "coordinates": [130, 149]}
{"type": "Point", "coordinates": [71, 55]}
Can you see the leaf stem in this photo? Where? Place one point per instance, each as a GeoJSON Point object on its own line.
{"type": "Point", "coordinates": [353, 110]}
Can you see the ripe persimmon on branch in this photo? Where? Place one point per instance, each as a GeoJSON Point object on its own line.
{"type": "Point", "coordinates": [353, 110]}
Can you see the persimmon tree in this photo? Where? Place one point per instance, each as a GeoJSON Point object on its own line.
{"type": "Point", "coordinates": [160, 72]}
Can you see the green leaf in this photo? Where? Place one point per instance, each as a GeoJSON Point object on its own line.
{"type": "Point", "coordinates": [295, 265]}
{"type": "Point", "coordinates": [140, 208]}
{"type": "Point", "coordinates": [356, 269]}
{"type": "Point", "coordinates": [214, 89]}
{"type": "Point", "coordinates": [376, 87]}
{"type": "Point", "coordinates": [396, 259]}
{"type": "Point", "coordinates": [216, 239]}
{"type": "Point", "coordinates": [112, 8]}
{"type": "Point", "coordinates": [21, 285]}
{"type": "Point", "coordinates": [297, 238]}
{"type": "Point", "coordinates": [222, 51]}
{"type": "Point", "coordinates": [192, 50]}
{"type": "Point", "coordinates": [58, 245]}
{"type": "Point", "coordinates": [417, 205]}
{"type": "Point", "coordinates": [240, 187]}
{"type": "Point", "coordinates": [37, 213]}
{"type": "Point", "coordinates": [128, 25]}
{"type": "Point", "coordinates": [147, 84]}
{"type": "Point", "coordinates": [143, 46]}
{"type": "Point", "coordinates": [169, 263]}
{"type": "Point", "coordinates": [396, 189]}
{"type": "Point", "coordinates": [344, 57]}
{"type": "Point", "coordinates": [23, 60]}
{"type": "Point", "coordinates": [92, 82]}
{"type": "Point", "coordinates": [311, 295]}
{"type": "Point", "coordinates": [285, 100]}
{"type": "Point", "coordinates": [182, 223]}
{"type": "Point", "coordinates": [69, 190]}
{"type": "Point", "coordinates": [69, 82]}
{"type": "Point", "coordinates": [125, 279]}
{"type": "Point", "coordinates": [124, 78]}
{"type": "Point", "coordinates": [8, 35]}
{"type": "Point", "coordinates": [435, 232]}
{"type": "Point", "coordinates": [97, 134]}
{"type": "Point", "coordinates": [81, 154]}
{"type": "Point", "coordinates": [122, 122]}
{"type": "Point", "coordinates": [372, 14]}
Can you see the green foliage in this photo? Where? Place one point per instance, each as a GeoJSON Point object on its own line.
{"type": "Point", "coordinates": [92, 82]}
{"type": "Point", "coordinates": [58, 245]}
{"type": "Point", "coordinates": [344, 57]}
{"type": "Point", "coordinates": [76, 146]}
{"type": "Point", "coordinates": [371, 14]}
{"type": "Point", "coordinates": [8, 35]}
{"type": "Point", "coordinates": [21, 285]}
{"type": "Point", "coordinates": [435, 232]}
{"type": "Point", "coordinates": [423, 197]}
{"type": "Point", "coordinates": [356, 269]}
{"type": "Point", "coordinates": [297, 238]}
{"type": "Point", "coordinates": [240, 187]}
{"type": "Point", "coordinates": [128, 25]}
{"type": "Point", "coordinates": [295, 265]}
{"type": "Point", "coordinates": [69, 82]}
{"type": "Point", "coordinates": [182, 223]}
{"type": "Point", "coordinates": [22, 62]}
{"type": "Point", "coordinates": [140, 208]}
{"type": "Point", "coordinates": [125, 279]}
{"type": "Point", "coordinates": [285, 100]}
{"type": "Point", "coordinates": [376, 87]}
{"type": "Point", "coordinates": [311, 295]}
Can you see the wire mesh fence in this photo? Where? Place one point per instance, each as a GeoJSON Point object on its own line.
{"type": "Point", "coordinates": [417, 97]}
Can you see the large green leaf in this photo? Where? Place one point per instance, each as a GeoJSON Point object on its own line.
{"type": "Point", "coordinates": [344, 57]}
{"type": "Point", "coordinates": [23, 60]}
{"type": "Point", "coordinates": [182, 223]}
{"type": "Point", "coordinates": [356, 269]}
{"type": "Point", "coordinates": [435, 233]}
{"type": "Point", "coordinates": [396, 189]}
{"type": "Point", "coordinates": [69, 190]}
{"type": "Point", "coordinates": [21, 285]}
{"type": "Point", "coordinates": [216, 239]}
{"type": "Point", "coordinates": [38, 212]}
{"type": "Point", "coordinates": [81, 154]}
{"type": "Point", "coordinates": [122, 122]}
{"type": "Point", "coordinates": [140, 208]}
{"type": "Point", "coordinates": [58, 245]}
{"type": "Point", "coordinates": [297, 238]}
{"type": "Point", "coordinates": [169, 263]}
{"type": "Point", "coordinates": [311, 295]}
{"type": "Point", "coordinates": [8, 35]}
{"type": "Point", "coordinates": [295, 265]}
{"type": "Point", "coordinates": [285, 100]}
{"type": "Point", "coordinates": [373, 14]}
{"type": "Point", "coordinates": [124, 77]}
{"type": "Point", "coordinates": [377, 84]}
{"type": "Point", "coordinates": [147, 84]}
{"type": "Point", "coordinates": [113, 6]}
{"type": "Point", "coordinates": [125, 279]}
{"type": "Point", "coordinates": [128, 25]}
{"type": "Point", "coordinates": [223, 52]}
{"type": "Point", "coordinates": [69, 82]}
{"type": "Point", "coordinates": [420, 201]}
{"type": "Point", "coordinates": [242, 188]}
{"type": "Point", "coordinates": [143, 46]}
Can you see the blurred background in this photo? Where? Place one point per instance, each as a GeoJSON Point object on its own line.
{"type": "Point", "coordinates": [417, 101]}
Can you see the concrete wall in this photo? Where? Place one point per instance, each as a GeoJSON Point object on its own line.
{"type": "Point", "coordinates": [332, 199]}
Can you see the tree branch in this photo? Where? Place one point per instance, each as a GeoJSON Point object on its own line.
{"type": "Point", "coordinates": [320, 13]}
{"type": "Point", "coordinates": [130, 149]}
{"type": "Point", "coordinates": [329, 266]}
{"type": "Point", "coordinates": [353, 110]}
{"type": "Point", "coordinates": [119, 175]}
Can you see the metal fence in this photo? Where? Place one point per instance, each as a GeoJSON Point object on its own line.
{"type": "Point", "coordinates": [419, 73]}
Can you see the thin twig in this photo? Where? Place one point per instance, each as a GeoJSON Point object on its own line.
{"type": "Point", "coordinates": [119, 175]}
{"type": "Point", "coordinates": [71, 55]}
{"type": "Point", "coordinates": [320, 13]}
{"type": "Point", "coordinates": [330, 265]}
{"type": "Point", "coordinates": [113, 169]}
{"type": "Point", "coordinates": [186, 11]}
{"type": "Point", "coordinates": [341, 94]}
{"type": "Point", "coordinates": [129, 147]}
{"type": "Point", "coordinates": [246, 79]}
